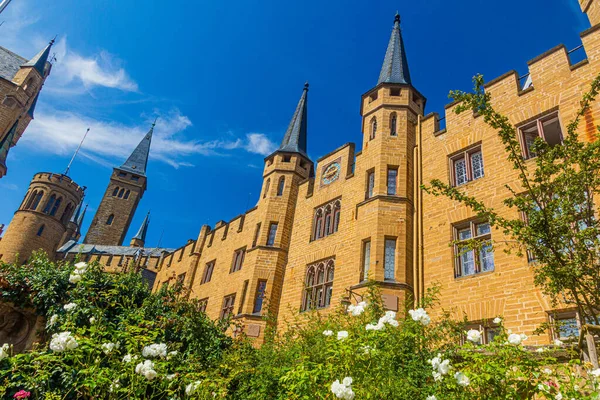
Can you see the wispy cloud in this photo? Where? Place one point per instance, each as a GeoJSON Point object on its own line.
{"type": "Point", "coordinates": [60, 133]}
{"type": "Point", "coordinates": [9, 186]}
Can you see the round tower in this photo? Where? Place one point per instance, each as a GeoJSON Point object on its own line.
{"type": "Point", "coordinates": [42, 219]}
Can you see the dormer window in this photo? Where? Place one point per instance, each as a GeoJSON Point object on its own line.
{"type": "Point", "coordinates": [286, 158]}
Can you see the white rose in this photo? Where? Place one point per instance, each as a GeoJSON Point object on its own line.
{"type": "Point", "coordinates": [432, 397]}
{"type": "Point", "coordinates": [191, 388]}
{"type": "Point", "coordinates": [474, 336]}
{"type": "Point", "coordinates": [595, 373]}
{"type": "Point", "coordinates": [92, 320]}
{"type": "Point", "coordinates": [70, 306]}
{"type": "Point", "coordinates": [515, 339]}
{"type": "Point", "coordinates": [4, 351]}
{"type": "Point", "coordinates": [341, 335]}
{"type": "Point", "coordinates": [62, 341]}
{"type": "Point", "coordinates": [462, 379]}
{"type": "Point", "coordinates": [558, 342]}
{"type": "Point", "coordinates": [53, 320]}
{"type": "Point", "coordinates": [127, 358]}
{"type": "Point", "coordinates": [75, 278]}
{"type": "Point", "coordinates": [327, 333]}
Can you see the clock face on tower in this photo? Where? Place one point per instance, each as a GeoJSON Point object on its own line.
{"type": "Point", "coordinates": [331, 173]}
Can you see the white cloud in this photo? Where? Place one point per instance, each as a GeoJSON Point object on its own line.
{"type": "Point", "coordinates": [9, 186]}
{"type": "Point", "coordinates": [102, 69]}
{"type": "Point", "coordinates": [108, 143]}
{"type": "Point", "coordinates": [260, 144]}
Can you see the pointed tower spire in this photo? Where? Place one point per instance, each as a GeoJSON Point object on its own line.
{"type": "Point", "coordinates": [295, 137]}
{"type": "Point", "coordinates": [138, 160]}
{"type": "Point", "coordinates": [140, 238]}
{"type": "Point", "coordinates": [395, 64]}
{"type": "Point", "coordinates": [5, 145]}
{"type": "Point", "coordinates": [39, 61]}
{"type": "Point", "coordinates": [81, 217]}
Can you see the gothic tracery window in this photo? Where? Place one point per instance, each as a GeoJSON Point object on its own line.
{"type": "Point", "coordinates": [327, 219]}
{"type": "Point", "coordinates": [318, 285]}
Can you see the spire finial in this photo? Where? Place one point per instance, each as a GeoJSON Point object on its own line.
{"type": "Point", "coordinates": [397, 17]}
{"type": "Point", "coordinates": [154, 124]}
{"type": "Point", "coordinates": [53, 39]}
{"type": "Point", "coordinates": [306, 85]}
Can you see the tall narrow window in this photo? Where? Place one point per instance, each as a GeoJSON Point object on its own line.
{"type": "Point", "coordinates": [390, 260]}
{"type": "Point", "coordinates": [392, 181]}
{"type": "Point", "coordinates": [326, 220]}
{"type": "Point", "coordinates": [267, 185]}
{"type": "Point", "coordinates": [116, 191]}
{"type": "Point", "coordinates": [228, 302]}
{"type": "Point", "coordinates": [473, 259]}
{"type": "Point", "coordinates": [370, 184]}
{"type": "Point", "coordinates": [208, 271]}
{"type": "Point", "coordinates": [110, 219]}
{"type": "Point", "coordinates": [29, 202]}
{"type": "Point", "coordinates": [281, 186]}
{"type": "Point", "coordinates": [121, 192]}
{"type": "Point", "coordinates": [202, 305]}
{"type": "Point", "coordinates": [36, 200]}
{"type": "Point", "coordinates": [366, 259]}
{"type": "Point", "coordinates": [373, 128]}
{"type": "Point", "coordinates": [318, 224]}
{"type": "Point", "coordinates": [393, 119]}
{"type": "Point", "coordinates": [238, 260]}
{"type": "Point", "coordinates": [41, 230]}
{"type": "Point", "coordinates": [328, 215]}
{"type": "Point", "coordinates": [49, 204]}
{"type": "Point", "coordinates": [256, 235]}
{"type": "Point", "coordinates": [55, 206]}
{"type": "Point", "coordinates": [272, 234]}
{"type": "Point", "coordinates": [547, 128]}
{"type": "Point", "coordinates": [126, 194]}
{"type": "Point", "coordinates": [319, 286]}
{"type": "Point", "coordinates": [67, 213]}
{"type": "Point", "coordinates": [467, 166]}
{"type": "Point", "coordinates": [260, 295]}
{"type": "Point", "coordinates": [336, 217]}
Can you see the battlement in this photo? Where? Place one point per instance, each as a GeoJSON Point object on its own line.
{"type": "Point", "coordinates": [548, 72]}
{"type": "Point", "coordinates": [58, 179]}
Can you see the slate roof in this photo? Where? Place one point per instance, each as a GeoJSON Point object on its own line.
{"type": "Point", "coordinates": [78, 248]}
{"type": "Point", "coordinates": [295, 137]}
{"type": "Point", "coordinates": [9, 63]}
{"type": "Point", "coordinates": [138, 160]}
{"type": "Point", "coordinates": [395, 64]}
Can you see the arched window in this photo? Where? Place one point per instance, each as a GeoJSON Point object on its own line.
{"type": "Point", "coordinates": [55, 207]}
{"type": "Point", "coordinates": [41, 230]}
{"type": "Point", "coordinates": [373, 128]}
{"type": "Point", "coordinates": [318, 224]}
{"type": "Point", "coordinates": [121, 193]}
{"type": "Point", "coordinates": [67, 213]}
{"type": "Point", "coordinates": [267, 185]}
{"type": "Point", "coordinates": [393, 119]}
{"type": "Point", "coordinates": [126, 194]}
{"type": "Point", "coordinates": [281, 186]}
{"type": "Point", "coordinates": [25, 199]}
{"type": "Point", "coordinates": [319, 286]}
{"type": "Point", "coordinates": [30, 200]}
{"type": "Point", "coordinates": [327, 219]}
{"type": "Point", "coordinates": [37, 198]}
{"type": "Point", "coordinates": [49, 204]}
{"type": "Point", "coordinates": [110, 219]}
{"type": "Point", "coordinates": [116, 191]}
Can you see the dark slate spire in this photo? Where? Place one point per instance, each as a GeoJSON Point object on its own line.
{"type": "Point", "coordinates": [295, 137]}
{"type": "Point", "coordinates": [6, 142]}
{"type": "Point", "coordinates": [138, 160]}
{"type": "Point", "coordinates": [141, 235]}
{"type": "Point", "coordinates": [395, 64]}
{"type": "Point", "coordinates": [33, 104]}
{"type": "Point", "coordinates": [75, 215]}
{"type": "Point", "coordinates": [39, 61]}
{"type": "Point", "coordinates": [80, 219]}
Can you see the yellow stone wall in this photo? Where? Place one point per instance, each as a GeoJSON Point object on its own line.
{"type": "Point", "coordinates": [509, 290]}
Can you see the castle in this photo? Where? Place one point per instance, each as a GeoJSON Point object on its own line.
{"type": "Point", "coordinates": [322, 228]}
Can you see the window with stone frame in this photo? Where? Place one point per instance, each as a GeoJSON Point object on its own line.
{"type": "Point", "coordinates": [393, 124]}
{"type": "Point", "coordinates": [318, 285]}
{"type": "Point", "coordinates": [41, 230]}
{"type": "Point", "coordinates": [389, 271]}
{"type": "Point", "coordinates": [36, 198]}
{"type": "Point", "coordinates": [467, 166]}
{"type": "Point", "coordinates": [370, 184]}
{"type": "Point", "coordinates": [49, 204]}
{"type": "Point", "coordinates": [366, 259]}
{"type": "Point", "coordinates": [256, 235]}
{"type": "Point", "coordinates": [110, 219]}
{"type": "Point", "coordinates": [116, 191]}
{"type": "Point", "coordinates": [473, 251]}
{"type": "Point", "coordinates": [547, 128]}
{"type": "Point", "coordinates": [55, 207]}
{"type": "Point", "coordinates": [488, 330]}
{"type": "Point", "coordinates": [228, 304]}
{"type": "Point", "coordinates": [281, 186]}
{"type": "Point", "coordinates": [392, 181]}
{"type": "Point", "coordinates": [272, 234]}
{"type": "Point", "coordinates": [202, 304]}
{"type": "Point", "coordinates": [566, 325]}
{"type": "Point", "coordinates": [373, 128]}
{"type": "Point", "coordinates": [238, 260]}
{"type": "Point", "coordinates": [67, 213]}
{"type": "Point", "coordinates": [326, 219]}
{"type": "Point", "coordinates": [259, 297]}
{"type": "Point", "coordinates": [267, 186]}
{"type": "Point", "coordinates": [208, 271]}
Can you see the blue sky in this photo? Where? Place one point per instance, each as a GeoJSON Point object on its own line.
{"type": "Point", "coordinates": [224, 79]}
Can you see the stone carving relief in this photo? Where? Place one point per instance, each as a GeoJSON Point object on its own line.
{"type": "Point", "coordinates": [18, 328]}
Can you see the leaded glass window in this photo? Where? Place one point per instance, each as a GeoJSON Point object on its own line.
{"type": "Point", "coordinates": [390, 259]}
{"type": "Point", "coordinates": [473, 258]}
